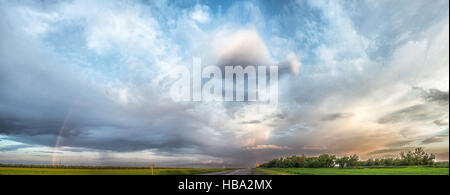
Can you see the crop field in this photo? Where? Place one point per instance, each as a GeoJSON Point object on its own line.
{"type": "Point", "coordinates": [356, 171]}
{"type": "Point", "coordinates": [63, 171]}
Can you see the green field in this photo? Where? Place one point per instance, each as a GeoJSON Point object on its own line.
{"type": "Point", "coordinates": [57, 171]}
{"type": "Point", "coordinates": [266, 171]}
{"type": "Point", "coordinates": [355, 171]}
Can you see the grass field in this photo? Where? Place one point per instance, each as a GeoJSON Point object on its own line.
{"type": "Point", "coordinates": [265, 171]}
{"type": "Point", "coordinates": [56, 171]}
{"type": "Point", "coordinates": [361, 171]}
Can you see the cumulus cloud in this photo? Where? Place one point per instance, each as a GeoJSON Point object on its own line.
{"type": "Point", "coordinates": [290, 65]}
{"type": "Point", "coordinates": [241, 47]}
{"type": "Point", "coordinates": [294, 64]}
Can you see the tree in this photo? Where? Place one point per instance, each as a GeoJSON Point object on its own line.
{"type": "Point", "coordinates": [389, 161]}
{"type": "Point", "coordinates": [342, 162]}
{"type": "Point", "coordinates": [418, 157]}
{"type": "Point", "coordinates": [301, 161]}
{"type": "Point", "coordinates": [353, 160]}
{"type": "Point", "coordinates": [326, 161]}
{"type": "Point", "coordinates": [370, 162]}
{"type": "Point", "coordinates": [428, 159]}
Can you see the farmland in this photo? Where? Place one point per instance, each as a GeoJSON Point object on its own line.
{"type": "Point", "coordinates": [86, 171]}
{"type": "Point", "coordinates": [413, 170]}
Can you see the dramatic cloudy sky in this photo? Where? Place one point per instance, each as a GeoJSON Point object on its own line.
{"type": "Point", "coordinates": [87, 82]}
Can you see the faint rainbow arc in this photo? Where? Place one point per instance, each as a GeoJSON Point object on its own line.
{"type": "Point", "coordinates": [61, 130]}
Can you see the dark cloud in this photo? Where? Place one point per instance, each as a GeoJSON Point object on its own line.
{"type": "Point", "coordinates": [243, 47]}
{"type": "Point", "coordinates": [434, 139]}
{"type": "Point", "coordinates": [434, 95]}
{"type": "Point", "coordinates": [41, 94]}
{"type": "Point", "coordinates": [401, 143]}
{"type": "Point", "coordinates": [439, 137]}
{"type": "Point", "coordinates": [441, 122]}
{"type": "Point", "coordinates": [435, 106]}
{"type": "Point", "coordinates": [419, 112]}
{"type": "Point", "coordinates": [13, 147]}
{"type": "Point", "coordinates": [251, 122]}
{"type": "Point", "coordinates": [335, 116]}
{"type": "Point", "coordinates": [279, 116]}
{"type": "Point", "coordinates": [390, 151]}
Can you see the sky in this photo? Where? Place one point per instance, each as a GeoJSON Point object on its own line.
{"type": "Point", "coordinates": [87, 82]}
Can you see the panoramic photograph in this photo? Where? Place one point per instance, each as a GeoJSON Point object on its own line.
{"type": "Point", "coordinates": [224, 87]}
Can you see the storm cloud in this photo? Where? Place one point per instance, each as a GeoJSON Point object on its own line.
{"type": "Point", "coordinates": [93, 77]}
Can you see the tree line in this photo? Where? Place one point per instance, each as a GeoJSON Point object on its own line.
{"type": "Point", "coordinates": [416, 157]}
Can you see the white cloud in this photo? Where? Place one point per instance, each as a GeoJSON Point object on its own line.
{"type": "Point", "coordinates": [124, 31]}
{"type": "Point", "coordinates": [294, 64]}
{"type": "Point", "coordinates": [201, 14]}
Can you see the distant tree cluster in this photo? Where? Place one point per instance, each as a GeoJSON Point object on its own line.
{"type": "Point", "coordinates": [416, 157]}
{"type": "Point", "coordinates": [351, 161]}
{"type": "Point", "coordinates": [322, 161]}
